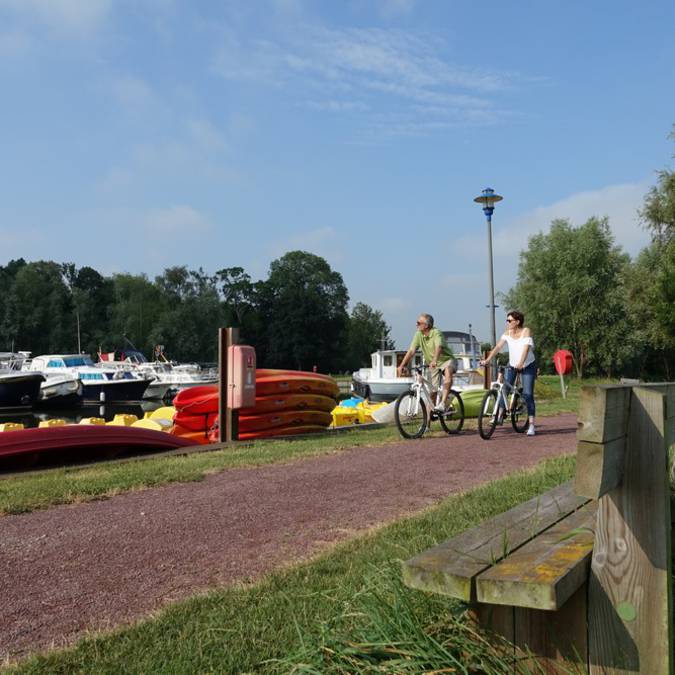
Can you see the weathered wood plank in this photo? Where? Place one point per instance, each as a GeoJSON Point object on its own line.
{"type": "Point", "coordinates": [553, 642]}
{"type": "Point", "coordinates": [599, 467]}
{"type": "Point", "coordinates": [668, 388]}
{"type": "Point", "coordinates": [630, 606]}
{"type": "Point", "coordinates": [495, 619]}
{"type": "Point", "coordinates": [603, 413]}
{"type": "Point", "coordinates": [547, 571]}
{"type": "Point", "coordinates": [450, 567]}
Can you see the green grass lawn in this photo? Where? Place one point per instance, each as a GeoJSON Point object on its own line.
{"type": "Point", "coordinates": [50, 487]}
{"type": "Point", "coordinates": [345, 612]}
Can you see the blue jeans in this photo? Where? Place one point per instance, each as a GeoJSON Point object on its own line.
{"type": "Point", "coordinates": [527, 377]}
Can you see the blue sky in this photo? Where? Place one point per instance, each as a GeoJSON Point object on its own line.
{"type": "Point", "coordinates": [139, 134]}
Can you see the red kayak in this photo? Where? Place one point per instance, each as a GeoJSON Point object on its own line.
{"type": "Point", "coordinates": [197, 400]}
{"type": "Point", "coordinates": [100, 438]}
{"type": "Point", "coordinates": [265, 404]}
{"type": "Point", "coordinates": [278, 431]}
{"type": "Point", "coordinates": [296, 383]}
{"type": "Point", "coordinates": [195, 422]}
{"type": "Point", "coordinates": [269, 383]}
{"type": "Point", "coordinates": [257, 422]}
{"type": "Point", "coordinates": [273, 372]}
{"type": "Point", "coordinates": [288, 418]}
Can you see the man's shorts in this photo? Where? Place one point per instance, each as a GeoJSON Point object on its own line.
{"type": "Point", "coordinates": [435, 373]}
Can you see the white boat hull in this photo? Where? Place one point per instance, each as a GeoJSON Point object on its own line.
{"type": "Point", "coordinates": [380, 389]}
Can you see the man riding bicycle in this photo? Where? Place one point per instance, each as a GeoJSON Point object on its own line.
{"type": "Point", "coordinates": [437, 355]}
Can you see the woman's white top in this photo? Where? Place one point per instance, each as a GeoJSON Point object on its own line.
{"type": "Point", "coordinates": [517, 347]}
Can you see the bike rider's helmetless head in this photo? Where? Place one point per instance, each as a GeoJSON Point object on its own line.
{"type": "Point", "coordinates": [425, 322]}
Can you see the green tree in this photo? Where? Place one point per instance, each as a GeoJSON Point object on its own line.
{"type": "Point", "coordinates": [92, 297]}
{"type": "Point", "coordinates": [238, 294]}
{"type": "Point", "coordinates": [303, 304]}
{"type": "Point", "coordinates": [570, 288]}
{"type": "Point", "coordinates": [188, 326]}
{"type": "Point", "coordinates": [137, 307]}
{"type": "Point", "coordinates": [8, 326]}
{"type": "Point", "coordinates": [39, 310]}
{"type": "Point", "coordinates": [367, 331]}
{"type": "Point", "coordinates": [650, 302]}
{"type": "Point", "coordinates": [658, 212]}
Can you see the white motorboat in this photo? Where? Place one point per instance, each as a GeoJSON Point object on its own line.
{"type": "Point", "coordinates": [166, 376]}
{"type": "Point", "coordinates": [59, 390]}
{"type": "Point", "coordinates": [18, 389]}
{"type": "Point", "coordinates": [98, 384]}
{"type": "Point", "coordinates": [380, 382]}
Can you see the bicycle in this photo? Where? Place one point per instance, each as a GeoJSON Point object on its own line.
{"type": "Point", "coordinates": [411, 414]}
{"type": "Point", "coordinates": [511, 395]}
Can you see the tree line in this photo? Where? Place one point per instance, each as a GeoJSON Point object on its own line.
{"type": "Point", "coordinates": [296, 318]}
{"type": "Point", "coordinates": [580, 291]}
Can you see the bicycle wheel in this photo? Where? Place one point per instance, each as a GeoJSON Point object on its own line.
{"type": "Point", "coordinates": [487, 417]}
{"type": "Point", "coordinates": [410, 414]}
{"type": "Point", "coordinates": [519, 417]}
{"type": "Point", "coordinates": [452, 420]}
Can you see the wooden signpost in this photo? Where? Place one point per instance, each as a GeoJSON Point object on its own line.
{"type": "Point", "coordinates": [227, 418]}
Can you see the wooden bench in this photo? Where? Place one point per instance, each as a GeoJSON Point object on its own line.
{"type": "Point", "coordinates": [579, 577]}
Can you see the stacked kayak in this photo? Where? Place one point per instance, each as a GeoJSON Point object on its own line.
{"type": "Point", "coordinates": [97, 440]}
{"type": "Point", "coordinates": [287, 402]}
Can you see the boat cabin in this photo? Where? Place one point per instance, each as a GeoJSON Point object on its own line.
{"type": "Point", "coordinates": [384, 363]}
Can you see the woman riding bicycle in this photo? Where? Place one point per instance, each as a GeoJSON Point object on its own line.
{"type": "Point", "coordinates": [437, 355]}
{"type": "Point", "coordinates": [521, 358]}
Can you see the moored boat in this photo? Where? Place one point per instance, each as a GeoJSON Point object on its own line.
{"type": "Point", "coordinates": [61, 391]}
{"type": "Point", "coordinates": [380, 382]}
{"type": "Point", "coordinates": [98, 384]}
{"type": "Point", "coordinates": [167, 377]}
{"type": "Point", "coordinates": [18, 389]}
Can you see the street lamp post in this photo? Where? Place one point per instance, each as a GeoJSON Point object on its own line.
{"type": "Point", "coordinates": [488, 198]}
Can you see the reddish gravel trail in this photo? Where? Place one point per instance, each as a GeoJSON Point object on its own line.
{"type": "Point", "coordinates": [76, 568]}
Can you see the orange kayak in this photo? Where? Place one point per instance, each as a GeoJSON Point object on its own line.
{"type": "Point", "coordinates": [277, 431]}
{"type": "Point", "coordinates": [264, 404]}
{"type": "Point", "coordinates": [288, 418]}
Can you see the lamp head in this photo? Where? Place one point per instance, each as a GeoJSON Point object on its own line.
{"type": "Point", "coordinates": [488, 198]}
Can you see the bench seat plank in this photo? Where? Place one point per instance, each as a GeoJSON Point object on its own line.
{"type": "Point", "coordinates": [545, 572]}
{"type": "Point", "coordinates": [451, 567]}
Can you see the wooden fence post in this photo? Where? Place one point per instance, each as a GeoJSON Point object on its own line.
{"type": "Point", "coordinates": [227, 418]}
{"type": "Point", "coordinates": [629, 601]}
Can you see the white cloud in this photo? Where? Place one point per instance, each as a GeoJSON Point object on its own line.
{"type": "Point", "coordinates": [17, 241]}
{"type": "Point", "coordinates": [461, 281]}
{"type": "Point", "coordinates": [394, 304]}
{"type": "Point", "coordinates": [292, 7]}
{"type": "Point", "coordinates": [206, 135]}
{"type": "Point", "coordinates": [322, 241]}
{"type": "Point", "coordinates": [337, 106]}
{"type": "Point", "coordinates": [14, 43]}
{"type": "Point", "coordinates": [620, 203]}
{"type": "Point", "coordinates": [80, 16]}
{"type": "Point", "coordinates": [194, 145]}
{"type": "Point", "coordinates": [132, 93]}
{"type": "Point", "coordinates": [375, 72]}
{"type": "Point", "coordinates": [393, 8]}
{"type": "Point", "coordinates": [170, 220]}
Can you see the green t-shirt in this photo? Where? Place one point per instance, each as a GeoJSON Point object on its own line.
{"type": "Point", "coordinates": [428, 344]}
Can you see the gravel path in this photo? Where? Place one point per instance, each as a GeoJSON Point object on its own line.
{"type": "Point", "coordinates": [76, 568]}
